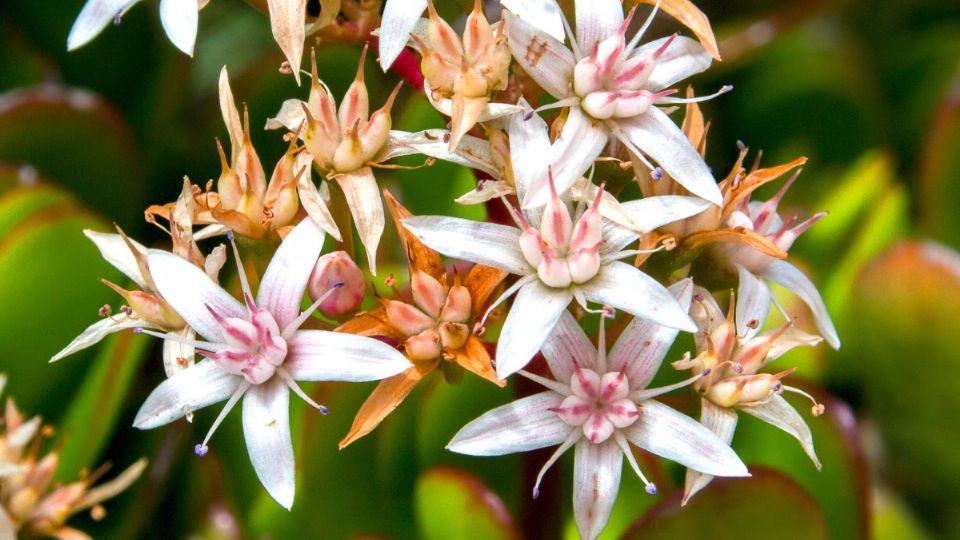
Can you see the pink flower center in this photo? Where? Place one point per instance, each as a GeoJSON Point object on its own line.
{"type": "Point", "coordinates": [599, 404]}
{"type": "Point", "coordinates": [254, 346]}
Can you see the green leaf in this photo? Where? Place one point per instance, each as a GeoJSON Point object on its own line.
{"type": "Point", "coordinates": [455, 505]}
{"type": "Point", "coordinates": [75, 139]}
{"type": "Point", "coordinates": [93, 414]}
{"type": "Point", "coordinates": [768, 505]}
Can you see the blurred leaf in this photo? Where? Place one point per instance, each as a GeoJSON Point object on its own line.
{"type": "Point", "coordinates": [841, 489]}
{"type": "Point", "coordinates": [767, 505]}
{"type": "Point", "coordinates": [940, 169]}
{"type": "Point", "coordinates": [75, 139]}
{"type": "Point", "coordinates": [48, 283]}
{"type": "Point", "coordinates": [892, 520]}
{"type": "Point", "coordinates": [455, 505]}
{"type": "Point", "coordinates": [907, 304]}
{"type": "Point", "coordinates": [93, 414]}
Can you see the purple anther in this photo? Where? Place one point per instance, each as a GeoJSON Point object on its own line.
{"type": "Point", "coordinates": [201, 450]}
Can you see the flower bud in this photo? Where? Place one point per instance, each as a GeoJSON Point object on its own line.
{"type": "Point", "coordinates": [407, 319]}
{"type": "Point", "coordinates": [428, 293]}
{"type": "Point", "coordinates": [150, 307]}
{"type": "Point", "coordinates": [457, 306]}
{"type": "Point", "coordinates": [332, 268]}
{"type": "Point", "coordinates": [423, 346]}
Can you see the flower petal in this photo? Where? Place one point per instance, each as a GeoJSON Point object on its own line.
{"type": "Point", "coordinates": [288, 23]}
{"type": "Point", "coordinates": [179, 20]}
{"type": "Point", "coordinates": [655, 134]}
{"type": "Point", "coordinates": [596, 21]}
{"type": "Point", "coordinates": [535, 311]}
{"type": "Point", "coordinates": [483, 243]}
{"type": "Point", "coordinates": [231, 117]}
{"type": "Point", "coordinates": [399, 18]}
{"type": "Point", "coordinates": [93, 18]}
{"type": "Point", "coordinates": [677, 437]}
{"type": "Point", "coordinates": [596, 482]}
{"type": "Point", "coordinates": [523, 425]}
{"type": "Point", "coordinates": [178, 355]}
{"type": "Point", "coordinates": [528, 136]}
{"type": "Point", "coordinates": [314, 200]}
{"type": "Point", "coordinates": [266, 430]}
{"type": "Point", "coordinates": [386, 397]}
{"type": "Point", "coordinates": [116, 252]}
{"type": "Point", "coordinates": [472, 152]}
{"type": "Point", "coordinates": [282, 285]}
{"type": "Point", "coordinates": [566, 343]}
{"type": "Point", "coordinates": [792, 278]}
{"type": "Point", "coordinates": [624, 287]}
{"type": "Point", "coordinates": [319, 355]}
{"type": "Point", "coordinates": [574, 151]}
{"type": "Point", "coordinates": [683, 58]}
{"type": "Point", "coordinates": [691, 17]}
{"type": "Point", "coordinates": [189, 291]}
{"type": "Point", "coordinates": [640, 349]}
{"type": "Point", "coordinates": [542, 56]}
{"type": "Point", "coordinates": [777, 412]}
{"type": "Point", "coordinates": [545, 15]}
{"type": "Point", "coordinates": [97, 331]}
{"type": "Point", "coordinates": [197, 386]}
{"type": "Point", "coordinates": [363, 198]}
{"type": "Point", "coordinates": [753, 303]}
{"type": "Point", "coordinates": [651, 212]}
{"type": "Point", "coordinates": [722, 422]}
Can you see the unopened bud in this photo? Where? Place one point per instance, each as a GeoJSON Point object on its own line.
{"type": "Point", "coordinates": [428, 293]}
{"type": "Point", "coordinates": [423, 346]}
{"type": "Point", "coordinates": [332, 268]}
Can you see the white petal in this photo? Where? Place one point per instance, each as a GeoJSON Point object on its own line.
{"type": "Point", "coordinates": [545, 15]}
{"type": "Point", "coordinates": [485, 191]}
{"type": "Point", "coordinates": [116, 252]}
{"type": "Point", "coordinates": [210, 231]}
{"type": "Point", "coordinates": [542, 56]}
{"type": "Point", "coordinates": [596, 482]}
{"type": "Point", "coordinates": [399, 18]}
{"type": "Point", "coordinates": [288, 23]}
{"type": "Point", "coordinates": [318, 355]}
{"type": "Point", "coordinates": [574, 151]}
{"type": "Point", "coordinates": [655, 134]}
{"type": "Point", "coordinates": [523, 425]}
{"type": "Point", "coordinates": [314, 200]}
{"type": "Point", "coordinates": [93, 18]}
{"type": "Point", "coordinates": [529, 136]}
{"type": "Point", "coordinates": [201, 384]}
{"type": "Point", "coordinates": [793, 337]}
{"type": "Point", "coordinates": [189, 291]}
{"type": "Point", "coordinates": [231, 117]}
{"type": "Point", "coordinates": [652, 212]}
{"type": "Point", "coordinates": [616, 237]}
{"type": "Point", "coordinates": [266, 430]}
{"type": "Point", "coordinates": [683, 58]}
{"type": "Point", "coordinates": [363, 197]}
{"type": "Point", "coordinates": [290, 116]}
{"type": "Point", "coordinates": [640, 349]}
{"type": "Point", "coordinates": [677, 437]}
{"type": "Point", "coordinates": [179, 19]}
{"type": "Point", "coordinates": [624, 287]}
{"type": "Point", "coordinates": [491, 111]}
{"type": "Point", "coordinates": [177, 355]}
{"type": "Point", "coordinates": [568, 342]}
{"type": "Point", "coordinates": [472, 152]}
{"type": "Point", "coordinates": [535, 311]}
{"type": "Point", "coordinates": [722, 422]}
{"type": "Point", "coordinates": [596, 21]}
{"type": "Point", "coordinates": [792, 278]}
{"type": "Point", "coordinates": [282, 285]}
{"type": "Point", "coordinates": [777, 412]}
{"type": "Point", "coordinates": [753, 303]}
{"type": "Point", "coordinates": [483, 243]}
{"type": "Point", "coordinates": [97, 331]}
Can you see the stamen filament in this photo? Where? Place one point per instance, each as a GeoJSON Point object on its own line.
{"type": "Point", "coordinates": [292, 384]}
{"type": "Point", "coordinates": [672, 100]}
{"type": "Point", "coordinates": [244, 284]}
{"type": "Point", "coordinates": [506, 294]}
{"type": "Point", "coordinates": [647, 393]}
{"type": "Point", "coordinates": [293, 326]}
{"type": "Point", "coordinates": [643, 29]}
{"type": "Point", "coordinates": [624, 445]}
{"type": "Point", "coordinates": [556, 386]}
{"type": "Point", "coordinates": [571, 439]}
{"type": "Point", "coordinates": [201, 449]}
{"type": "Point", "coordinates": [817, 409]}
{"type": "Point", "coordinates": [204, 345]}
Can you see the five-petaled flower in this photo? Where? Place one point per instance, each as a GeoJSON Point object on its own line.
{"type": "Point", "coordinates": [257, 352]}
{"type": "Point", "coordinates": [601, 405]}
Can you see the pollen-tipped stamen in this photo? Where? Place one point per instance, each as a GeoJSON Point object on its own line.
{"type": "Point", "coordinates": [292, 327]}
{"type": "Point", "coordinates": [292, 385]}
{"type": "Point", "coordinates": [203, 345]}
{"type": "Point", "coordinates": [624, 445]}
{"type": "Point", "coordinates": [817, 409]}
{"type": "Point", "coordinates": [571, 439]}
{"type": "Point", "coordinates": [201, 449]}
{"type": "Point", "coordinates": [649, 393]}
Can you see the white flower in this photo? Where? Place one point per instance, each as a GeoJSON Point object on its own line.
{"type": "Point", "coordinates": [258, 352]}
{"type": "Point", "coordinates": [612, 87]}
{"type": "Point", "coordinates": [601, 405]}
{"type": "Point", "coordinates": [179, 19]}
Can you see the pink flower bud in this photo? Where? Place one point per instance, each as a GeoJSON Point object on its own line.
{"type": "Point", "coordinates": [423, 346]}
{"type": "Point", "coordinates": [332, 268]}
{"type": "Point", "coordinates": [407, 319]}
{"type": "Point", "coordinates": [428, 293]}
{"type": "Point", "coordinates": [458, 305]}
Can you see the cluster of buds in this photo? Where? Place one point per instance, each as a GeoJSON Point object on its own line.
{"type": "Point", "coordinates": [437, 320]}
{"type": "Point", "coordinates": [30, 503]}
{"type": "Point", "coordinates": [344, 140]}
{"type": "Point", "coordinates": [466, 70]}
{"type": "Point", "coordinates": [734, 362]}
{"type": "Point", "coordinates": [561, 251]}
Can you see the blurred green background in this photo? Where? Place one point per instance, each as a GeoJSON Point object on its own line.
{"type": "Point", "coordinates": [868, 90]}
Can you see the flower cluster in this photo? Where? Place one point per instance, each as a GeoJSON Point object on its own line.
{"type": "Point", "coordinates": [572, 246]}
